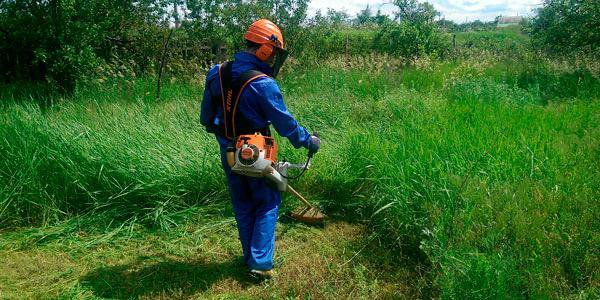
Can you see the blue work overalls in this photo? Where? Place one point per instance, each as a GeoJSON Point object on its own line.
{"type": "Point", "coordinates": [255, 203]}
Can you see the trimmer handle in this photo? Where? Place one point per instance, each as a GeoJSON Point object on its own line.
{"type": "Point", "coordinates": [312, 151]}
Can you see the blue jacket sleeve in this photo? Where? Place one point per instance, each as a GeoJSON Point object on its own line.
{"type": "Point", "coordinates": [273, 108]}
{"type": "Point", "coordinates": [207, 107]}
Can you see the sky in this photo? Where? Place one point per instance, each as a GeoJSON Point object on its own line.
{"type": "Point", "coordinates": [455, 10]}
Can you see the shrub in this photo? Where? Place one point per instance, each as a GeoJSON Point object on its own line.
{"type": "Point", "coordinates": [567, 26]}
{"type": "Point", "coordinates": [414, 33]}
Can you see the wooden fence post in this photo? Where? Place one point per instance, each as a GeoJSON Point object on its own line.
{"type": "Point", "coordinates": [347, 50]}
{"type": "Point", "coordinates": [454, 41]}
{"type": "Point", "coordinates": [162, 64]}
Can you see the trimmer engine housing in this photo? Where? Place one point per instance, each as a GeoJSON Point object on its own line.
{"type": "Point", "coordinates": [253, 155]}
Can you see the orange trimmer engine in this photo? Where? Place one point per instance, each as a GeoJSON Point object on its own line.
{"type": "Point", "coordinates": [253, 155]}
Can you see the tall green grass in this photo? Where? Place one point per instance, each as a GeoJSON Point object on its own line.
{"type": "Point", "coordinates": [98, 152]}
{"type": "Point", "coordinates": [494, 190]}
{"type": "Point", "coordinates": [487, 181]}
{"type": "Point", "coordinates": [500, 40]}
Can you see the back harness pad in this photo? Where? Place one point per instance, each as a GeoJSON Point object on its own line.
{"type": "Point", "coordinates": [230, 96]}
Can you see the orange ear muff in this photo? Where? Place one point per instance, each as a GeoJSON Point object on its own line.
{"type": "Point", "coordinates": [264, 52]}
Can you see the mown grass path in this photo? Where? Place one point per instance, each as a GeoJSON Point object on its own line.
{"type": "Point", "coordinates": [199, 260]}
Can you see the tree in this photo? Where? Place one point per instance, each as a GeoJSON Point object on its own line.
{"type": "Point", "coordinates": [65, 41]}
{"type": "Point", "coordinates": [226, 20]}
{"type": "Point", "coordinates": [365, 17]}
{"type": "Point", "coordinates": [414, 31]}
{"type": "Point", "coordinates": [563, 26]}
{"type": "Point", "coordinates": [414, 11]}
{"type": "Point", "coordinates": [381, 19]}
{"type": "Point", "coordinates": [337, 18]}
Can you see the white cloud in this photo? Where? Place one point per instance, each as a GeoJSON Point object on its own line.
{"type": "Point", "coordinates": [456, 10]}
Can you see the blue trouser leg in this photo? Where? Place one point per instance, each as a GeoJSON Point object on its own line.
{"type": "Point", "coordinates": [256, 206]}
{"type": "Point", "coordinates": [266, 202]}
{"type": "Point", "coordinates": [243, 214]}
{"type": "Point", "coordinates": [262, 246]}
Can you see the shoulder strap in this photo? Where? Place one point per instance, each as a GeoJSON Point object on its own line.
{"type": "Point", "coordinates": [248, 76]}
{"type": "Point", "coordinates": [230, 94]}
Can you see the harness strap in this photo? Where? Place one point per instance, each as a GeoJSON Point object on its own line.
{"type": "Point", "coordinates": [230, 96]}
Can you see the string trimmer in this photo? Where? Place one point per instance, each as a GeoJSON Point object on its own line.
{"type": "Point", "coordinates": [255, 155]}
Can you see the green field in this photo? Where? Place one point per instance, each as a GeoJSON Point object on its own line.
{"type": "Point", "coordinates": [473, 178]}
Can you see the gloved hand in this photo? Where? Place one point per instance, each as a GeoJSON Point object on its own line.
{"type": "Point", "coordinates": [314, 144]}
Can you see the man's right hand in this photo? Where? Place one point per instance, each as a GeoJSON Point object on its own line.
{"type": "Point", "coordinates": [314, 144]}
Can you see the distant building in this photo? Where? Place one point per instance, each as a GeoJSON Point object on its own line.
{"type": "Point", "coordinates": [503, 21]}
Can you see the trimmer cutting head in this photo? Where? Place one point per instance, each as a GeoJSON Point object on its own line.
{"type": "Point", "coordinates": [308, 215]}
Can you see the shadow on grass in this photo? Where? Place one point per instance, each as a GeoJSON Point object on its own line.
{"type": "Point", "coordinates": [169, 277]}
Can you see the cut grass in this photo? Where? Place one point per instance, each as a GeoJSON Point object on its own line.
{"type": "Point", "coordinates": [201, 259]}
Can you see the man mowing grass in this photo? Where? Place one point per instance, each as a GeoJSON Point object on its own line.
{"type": "Point", "coordinates": [242, 97]}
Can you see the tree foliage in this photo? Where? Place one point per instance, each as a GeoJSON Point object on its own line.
{"type": "Point", "coordinates": [415, 12]}
{"type": "Point", "coordinates": [68, 41]}
{"type": "Point", "coordinates": [366, 18]}
{"type": "Point", "coordinates": [65, 41]}
{"type": "Point", "coordinates": [563, 26]}
{"type": "Point", "coordinates": [414, 31]}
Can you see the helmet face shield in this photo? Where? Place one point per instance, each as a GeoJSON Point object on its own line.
{"type": "Point", "coordinates": [278, 60]}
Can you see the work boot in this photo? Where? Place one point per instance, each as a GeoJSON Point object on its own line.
{"type": "Point", "coordinates": [262, 274]}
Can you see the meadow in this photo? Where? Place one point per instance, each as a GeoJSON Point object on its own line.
{"type": "Point", "coordinates": [455, 178]}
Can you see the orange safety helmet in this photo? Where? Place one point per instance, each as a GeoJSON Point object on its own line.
{"type": "Point", "coordinates": [267, 35]}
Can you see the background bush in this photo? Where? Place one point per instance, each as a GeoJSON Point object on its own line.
{"type": "Point", "coordinates": [567, 26]}
{"type": "Point", "coordinates": [66, 42]}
